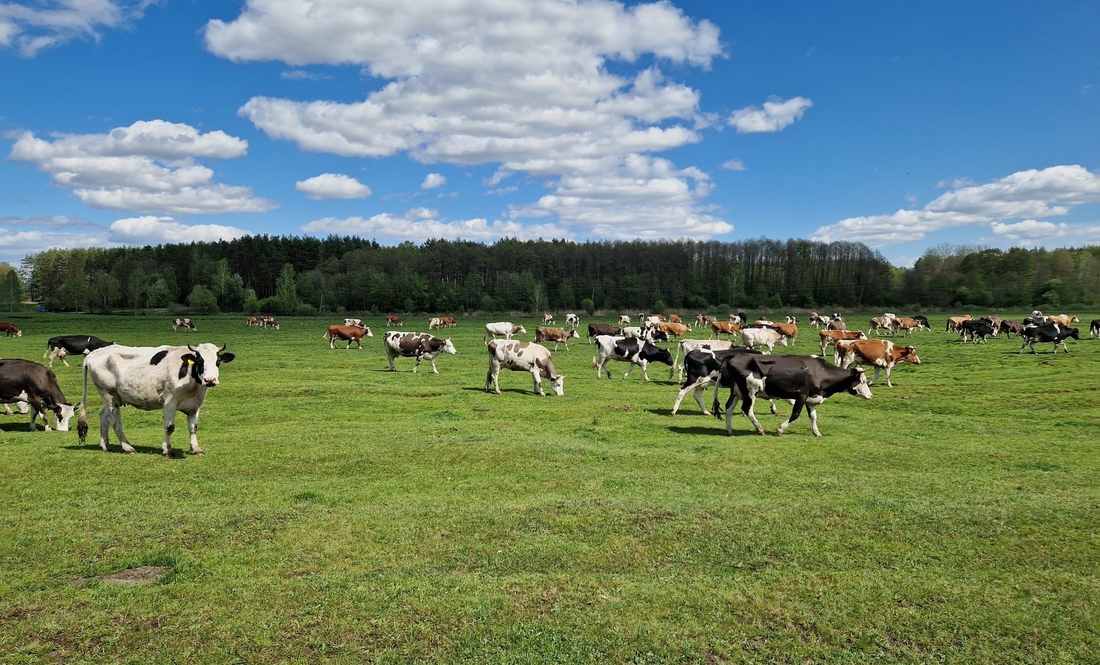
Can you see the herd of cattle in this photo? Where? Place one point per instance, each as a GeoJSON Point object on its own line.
{"type": "Point", "coordinates": [176, 378]}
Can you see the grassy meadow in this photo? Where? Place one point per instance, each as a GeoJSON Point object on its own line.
{"type": "Point", "coordinates": [346, 514]}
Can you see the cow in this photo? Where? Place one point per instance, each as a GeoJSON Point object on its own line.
{"type": "Point", "coordinates": [358, 323]}
{"type": "Point", "coordinates": [183, 323]}
{"type": "Point", "coordinates": [880, 323]}
{"type": "Point", "coordinates": [686, 346]}
{"type": "Point", "coordinates": [523, 357]}
{"type": "Point", "coordinates": [788, 330]}
{"type": "Point", "coordinates": [1010, 328]}
{"type": "Point", "coordinates": [793, 320]}
{"type": "Point", "coordinates": [251, 321]}
{"type": "Point", "coordinates": [829, 338]}
{"type": "Point", "coordinates": [9, 329]}
{"type": "Point", "coordinates": [674, 318]}
{"type": "Point", "coordinates": [556, 335]}
{"type": "Point", "coordinates": [1049, 332]}
{"type": "Point", "coordinates": [505, 328]}
{"type": "Point", "coordinates": [976, 330]}
{"type": "Point", "coordinates": [1094, 328]}
{"type": "Point", "coordinates": [673, 329]}
{"type": "Point", "coordinates": [624, 320]}
{"type": "Point", "coordinates": [572, 320]}
{"type": "Point", "coordinates": [414, 344]}
{"type": "Point", "coordinates": [907, 324]}
{"type": "Point", "coordinates": [448, 321]}
{"type": "Point", "coordinates": [548, 318]}
{"type": "Point", "coordinates": [953, 322]}
{"type": "Point", "coordinates": [33, 384]}
{"type": "Point", "coordinates": [727, 328]}
{"type": "Point", "coordinates": [435, 323]}
{"type": "Point", "coordinates": [701, 367]}
{"type": "Point", "coordinates": [837, 323]}
{"type": "Point", "coordinates": [349, 333]}
{"type": "Point", "coordinates": [595, 329]}
{"type": "Point", "coordinates": [635, 351]}
{"type": "Point", "coordinates": [269, 322]}
{"type": "Point", "coordinates": [72, 345]}
{"type": "Point", "coordinates": [637, 332]}
{"type": "Point", "coordinates": [395, 321]}
{"type": "Point", "coordinates": [754, 337]}
{"type": "Point", "coordinates": [807, 380]}
{"type": "Point", "coordinates": [169, 378]}
{"type": "Point", "coordinates": [818, 321]}
{"type": "Point", "coordinates": [1063, 320]}
{"type": "Point", "coordinates": [882, 354]}
{"type": "Point", "coordinates": [923, 321]}
{"type": "Point", "coordinates": [702, 320]}
{"type": "Point", "coordinates": [994, 321]}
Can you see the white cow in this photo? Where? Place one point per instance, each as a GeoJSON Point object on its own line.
{"type": "Point", "coordinates": [572, 320]}
{"type": "Point", "coordinates": [183, 323]}
{"type": "Point", "coordinates": [504, 328]}
{"type": "Point", "coordinates": [637, 332]}
{"type": "Point", "coordinates": [358, 323]}
{"type": "Point", "coordinates": [170, 378]}
{"type": "Point", "coordinates": [523, 357]}
{"type": "Point", "coordinates": [624, 320]}
{"type": "Point", "coordinates": [754, 337]}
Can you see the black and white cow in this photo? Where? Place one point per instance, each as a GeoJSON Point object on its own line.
{"type": "Point", "coordinates": [1048, 333]}
{"type": "Point", "coordinates": [634, 351]}
{"type": "Point", "coordinates": [977, 330]}
{"type": "Point", "coordinates": [923, 321]}
{"type": "Point", "coordinates": [34, 384]}
{"type": "Point", "coordinates": [183, 323]}
{"type": "Point", "coordinates": [807, 380]}
{"type": "Point", "coordinates": [422, 346]}
{"type": "Point", "coordinates": [521, 356]}
{"type": "Point", "coordinates": [701, 367]}
{"type": "Point", "coordinates": [72, 345]}
{"type": "Point", "coordinates": [1094, 328]}
{"type": "Point", "coordinates": [168, 378]}
{"type": "Point", "coordinates": [572, 320]}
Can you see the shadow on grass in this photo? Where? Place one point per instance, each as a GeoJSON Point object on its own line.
{"type": "Point", "coordinates": [717, 429]}
{"type": "Point", "coordinates": [177, 453]}
{"type": "Point", "coordinates": [517, 391]}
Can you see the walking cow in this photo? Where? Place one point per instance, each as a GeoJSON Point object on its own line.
{"type": "Point", "coordinates": [522, 357]}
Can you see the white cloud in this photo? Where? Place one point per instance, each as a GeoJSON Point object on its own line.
{"type": "Point", "coordinates": [433, 180]}
{"type": "Point", "coordinates": [1024, 195]}
{"type": "Point", "coordinates": [734, 165]}
{"type": "Point", "coordinates": [159, 230]}
{"type": "Point", "coordinates": [302, 75]}
{"type": "Point", "coordinates": [1029, 230]}
{"type": "Point", "coordinates": [146, 167]}
{"type": "Point", "coordinates": [422, 223]}
{"type": "Point", "coordinates": [47, 23]}
{"type": "Point", "coordinates": [332, 186]}
{"type": "Point", "coordinates": [526, 86]}
{"type": "Point", "coordinates": [18, 244]}
{"type": "Point", "coordinates": [774, 116]}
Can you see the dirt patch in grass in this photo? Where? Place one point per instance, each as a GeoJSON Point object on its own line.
{"type": "Point", "coordinates": [139, 575]}
{"type": "Point", "coordinates": [618, 407]}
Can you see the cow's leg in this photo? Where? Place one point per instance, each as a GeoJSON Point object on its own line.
{"type": "Point", "coordinates": [417, 365]}
{"type": "Point", "coordinates": [644, 366]}
{"type": "Point", "coordinates": [432, 361]}
{"type": "Point", "coordinates": [104, 425]}
{"type": "Point", "coordinates": [169, 414]}
{"type": "Point", "coordinates": [629, 369]}
{"type": "Point", "coordinates": [37, 407]}
{"type": "Point", "coordinates": [538, 381]}
{"type": "Point", "coordinates": [115, 419]}
{"type": "Point", "coordinates": [796, 411]}
{"type": "Point", "coordinates": [389, 356]}
{"type": "Point", "coordinates": [731, 403]}
{"type": "Point", "coordinates": [193, 428]}
{"type": "Point", "coordinates": [877, 370]}
{"type": "Point", "coordinates": [887, 370]}
{"type": "Point", "coordinates": [811, 410]}
{"type": "Point", "coordinates": [754, 386]}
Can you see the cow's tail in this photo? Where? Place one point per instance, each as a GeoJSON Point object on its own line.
{"type": "Point", "coordinates": [82, 422]}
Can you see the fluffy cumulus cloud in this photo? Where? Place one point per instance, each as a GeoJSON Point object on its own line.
{"type": "Point", "coordinates": [159, 230]}
{"type": "Point", "coordinates": [1025, 196]}
{"type": "Point", "coordinates": [332, 186]}
{"type": "Point", "coordinates": [773, 116]}
{"type": "Point", "coordinates": [149, 166]}
{"type": "Point", "coordinates": [433, 180]}
{"type": "Point", "coordinates": [422, 223]}
{"type": "Point", "coordinates": [527, 86]}
{"type": "Point", "coordinates": [30, 27]}
{"type": "Point", "coordinates": [733, 165]}
{"type": "Point", "coordinates": [21, 236]}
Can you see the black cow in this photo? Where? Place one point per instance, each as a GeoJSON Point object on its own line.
{"type": "Point", "coordinates": [72, 345]}
{"type": "Point", "coordinates": [807, 380]}
{"type": "Point", "coordinates": [701, 370]}
{"type": "Point", "coordinates": [596, 329]}
{"type": "Point", "coordinates": [35, 384]}
{"type": "Point", "coordinates": [634, 351]}
{"type": "Point", "coordinates": [1050, 332]}
{"type": "Point", "coordinates": [1094, 328]}
{"type": "Point", "coordinates": [1010, 328]}
{"type": "Point", "coordinates": [976, 330]}
{"type": "Point", "coordinates": [923, 320]}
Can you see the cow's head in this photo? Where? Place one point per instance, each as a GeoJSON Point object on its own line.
{"type": "Point", "coordinates": [909, 354]}
{"type": "Point", "coordinates": [557, 383]}
{"type": "Point", "coordinates": [519, 329]}
{"type": "Point", "coordinates": [369, 333]}
{"type": "Point", "coordinates": [1072, 332]}
{"type": "Point", "coordinates": [448, 347]}
{"type": "Point", "coordinates": [202, 363]}
{"type": "Point", "coordinates": [64, 414]}
{"type": "Point", "coordinates": [573, 333]}
{"type": "Point", "coordinates": [860, 387]}
{"type": "Point", "coordinates": [655, 354]}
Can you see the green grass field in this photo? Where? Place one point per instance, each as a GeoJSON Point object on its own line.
{"type": "Point", "coordinates": [343, 513]}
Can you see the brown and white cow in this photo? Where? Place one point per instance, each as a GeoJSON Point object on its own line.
{"type": "Point", "coordinates": [830, 337]}
{"type": "Point", "coordinates": [251, 321]}
{"type": "Point", "coordinates": [953, 322]}
{"type": "Point", "coordinates": [674, 329]}
{"type": "Point", "coordinates": [422, 346]}
{"type": "Point", "coordinates": [395, 321]}
{"type": "Point", "coordinates": [882, 354]}
{"type": "Point", "coordinates": [818, 321]}
{"type": "Point", "coordinates": [435, 323]}
{"type": "Point", "coordinates": [503, 328]}
{"type": "Point", "coordinates": [880, 323]}
{"type": "Point", "coordinates": [9, 329]}
{"type": "Point", "coordinates": [788, 330]}
{"type": "Point", "coordinates": [727, 328]}
{"type": "Point", "coordinates": [908, 324]}
{"type": "Point", "coordinates": [556, 335]}
{"type": "Point", "coordinates": [183, 323]}
{"type": "Point", "coordinates": [448, 321]}
{"type": "Point", "coordinates": [702, 320]}
{"type": "Point", "coordinates": [548, 318]}
{"type": "Point", "coordinates": [1063, 319]}
{"type": "Point", "coordinates": [269, 322]}
{"type": "Point", "coordinates": [674, 318]}
{"type": "Point", "coordinates": [350, 333]}
{"type": "Point", "coordinates": [522, 357]}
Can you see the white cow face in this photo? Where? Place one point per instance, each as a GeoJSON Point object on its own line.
{"type": "Point", "coordinates": [558, 384]}
{"type": "Point", "coordinates": [862, 388]}
{"type": "Point", "coordinates": [448, 347]}
{"type": "Point", "coordinates": [204, 362]}
{"type": "Point", "coordinates": [67, 411]}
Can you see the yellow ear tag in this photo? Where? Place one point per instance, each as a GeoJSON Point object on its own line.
{"type": "Point", "coordinates": [190, 362]}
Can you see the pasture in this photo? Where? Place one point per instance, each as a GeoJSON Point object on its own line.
{"type": "Point", "coordinates": [343, 513]}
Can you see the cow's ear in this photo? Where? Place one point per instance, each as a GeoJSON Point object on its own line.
{"type": "Point", "coordinates": [186, 361]}
{"type": "Point", "coordinates": [225, 358]}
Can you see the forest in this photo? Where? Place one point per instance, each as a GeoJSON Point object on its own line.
{"type": "Point", "coordinates": [307, 275]}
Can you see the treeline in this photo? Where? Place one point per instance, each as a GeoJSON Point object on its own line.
{"type": "Point", "coordinates": [303, 275]}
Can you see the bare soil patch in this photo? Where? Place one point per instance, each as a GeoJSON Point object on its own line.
{"type": "Point", "coordinates": [139, 575]}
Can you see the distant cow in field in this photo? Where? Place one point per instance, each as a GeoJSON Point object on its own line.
{"type": "Point", "coordinates": [548, 318]}
{"type": "Point", "coordinates": [9, 329]}
{"type": "Point", "coordinates": [555, 335]}
{"type": "Point", "coordinates": [522, 357]}
{"type": "Point", "coordinates": [624, 320]}
{"type": "Point", "coordinates": [358, 323]}
{"type": "Point", "coordinates": [572, 320]}
{"type": "Point", "coordinates": [788, 330]}
{"type": "Point", "coordinates": [349, 333]}
{"type": "Point", "coordinates": [1048, 333]}
{"type": "Point", "coordinates": [394, 321]}
{"type": "Point", "coordinates": [880, 353]}
{"type": "Point", "coordinates": [269, 322]}
{"type": "Point", "coordinates": [72, 345]}
{"type": "Point", "coordinates": [830, 337]}
{"type": "Point", "coordinates": [596, 329]}
{"type": "Point", "coordinates": [727, 328]}
{"type": "Point", "coordinates": [435, 323]}
{"type": "Point", "coordinates": [448, 321]}
{"type": "Point", "coordinates": [251, 321]}
{"type": "Point", "coordinates": [422, 346]}
{"type": "Point", "coordinates": [1094, 328]}
{"type": "Point", "coordinates": [1010, 328]}
{"type": "Point", "coordinates": [766, 337]}
{"type": "Point", "coordinates": [953, 322]}
{"type": "Point", "coordinates": [503, 328]}
{"type": "Point", "coordinates": [634, 351]}
{"type": "Point", "coordinates": [673, 329]}
{"type": "Point", "coordinates": [1063, 320]}
{"type": "Point", "coordinates": [185, 324]}
{"type": "Point", "coordinates": [976, 330]}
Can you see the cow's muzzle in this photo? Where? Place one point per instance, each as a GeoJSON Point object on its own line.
{"type": "Point", "coordinates": [210, 383]}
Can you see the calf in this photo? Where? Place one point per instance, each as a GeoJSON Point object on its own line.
{"type": "Point", "coordinates": [556, 335]}
{"type": "Point", "coordinates": [1049, 332]}
{"type": "Point", "coordinates": [394, 321]}
{"type": "Point", "coordinates": [754, 337]}
{"type": "Point", "coordinates": [34, 384]}
{"type": "Point", "coordinates": [349, 333]}
{"type": "Point", "coordinates": [505, 328]}
{"type": "Point", "coordinates": [72, 345]}
{"type": "Point", "coordinates": [880, 353]}
{"type": "Point", "coordinates": [9, 329]}
{"type": "Point", "coordinates": [807, 380]}
{"type": "Point", "coordinates": [185, 324]}
{"type": "Point", "coordinates": [634, 351]}
{"type": "Point", "coordinates": [596, 329]}
{"type": "Point", "coordinates": [548, 318]}
{"type": "Point", "coordinates": [523, 357]}
{"type": "Point", "coordinates": [422, 346]}
{"type": "Point", "coordinates": [830, 337]}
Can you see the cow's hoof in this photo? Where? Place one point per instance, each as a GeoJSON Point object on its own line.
{"type": "Point", "coordinates": [197, 452]}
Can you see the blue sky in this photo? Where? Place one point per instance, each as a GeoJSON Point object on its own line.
{"type": "Point", "coordinates": [904, 126]}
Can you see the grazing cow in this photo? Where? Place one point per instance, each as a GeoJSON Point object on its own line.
{"type": "Point", "coordinates": [830, 337]}
{"type": "Point", "coordinates": [686, 346]}
{"type": "Point", "coordinates": [72, 345]}
{"type": "Point", "coordinates": [169, 378]}
{"type": "Point", "coordinates": [523, 357]}
{"type": "Point", "coordinates": [435, 323]}
{"type": "Point", "coordinates": [505, 328]}
{"type": "Point", "coordinates": [624, 320]}
{"type": "Point", "coordinates": [556, 335]}
{"type": "Point", "coordinates": [907, 324]}
{"type": "Point", "coordinates": [976, 330]}
{"type": "Point", "coordinates": [807, 380]}
{"type": "Point", "coordinates": [702, 320]}
{"type": "Point", "coordinates": [251, 321]}
{"type": "Point", "coordinates": [421, 345]}
{"type": "Point", "coordinates": [358, 323]}
{"type": "Point", "coordinates": [448, 321]}
{"type": "Point", "coordinates": [596, 329]}
{"type": "Point", "coordinates": [818, 321]}
{"type": "Point", "coordinates": [634, 351]}
{"type": "Point", "coordinates": [727, 328]}
{"type": "Point", "coordinates": [572, 320]}
{"type": "Point", "coordinates": [269, 322]}
{"type": "Point", "coordinates": [793, 320]}
{"type": "Point", "coordinates": [1049, 332]}
{"type": "Point", "coordinates": [881, 353]}
{"type": "Point", "coordinates": [953, 322]}
{"type": "Point", "coordinates": [1063, 320]}
{"type": "Point", "coordinates": [350, 333]}
{"type": "Point", "coordinates": [702, 368]}
{"type": "Point", "coordinates": [395, 321]}
{"type": "Point", "coordinates": [183, 323]}
{"type": "Point", "coordinates": [674, 329]}
{"type": "Point", "coordinates": [923, 321]}
{"type": "Point", "coordinates": [754, 337]}
{"type": "Point", "coordinates": [788, 330]}
{"type": "Point", "coordinates": [9, 329]}
{"type": "Point", "coordinates": [30, 383]}
{"type": "Point", "coordinates": [1094, 328]}
{"type": "Point", "coordinates": [548, 318]}
{"type": "Point", "coordinates": [837, 323]}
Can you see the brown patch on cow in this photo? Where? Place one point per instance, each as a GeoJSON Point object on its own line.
{"type": "Point", "coordinates": [139, 575]}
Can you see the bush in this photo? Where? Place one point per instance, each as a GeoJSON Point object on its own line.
{"type": "Point", "coordinates": [660, 307]}
{"type": "Point", "coordinates": [723, 310]}
{"type": "Point", "coordinates": [305, 309]}
{"type": "Point", "coordinates": [588, 306]}
{"type": "Point", "coordinates": [203, 300]}
{"type": "Point", "coordinates": [697, 302]}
